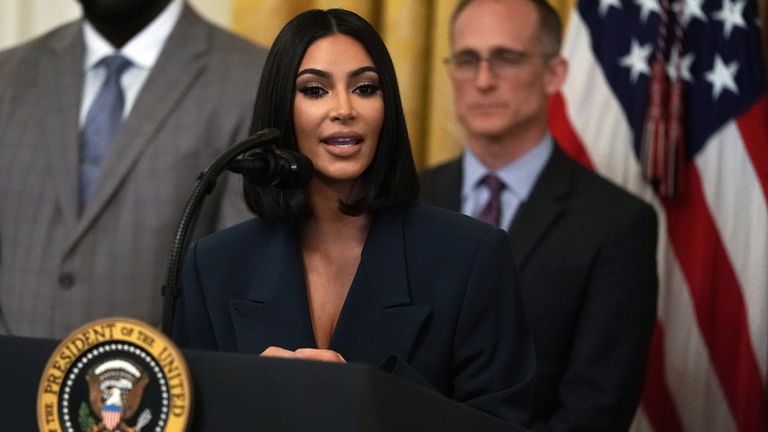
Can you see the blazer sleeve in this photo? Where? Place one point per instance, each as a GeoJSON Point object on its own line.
{"type": "Point", "coordinates": [601, 387]}
{"type": "Point", "coordinates": [191, 325]}
{"type": "Point", "coordinates": [493, 356]}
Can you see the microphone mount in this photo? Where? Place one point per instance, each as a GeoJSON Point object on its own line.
{"type": "Point", "coordinates": [204, 185]}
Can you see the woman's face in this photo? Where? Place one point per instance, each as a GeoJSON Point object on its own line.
{"type": "Point", "coordinates": [338, 108]}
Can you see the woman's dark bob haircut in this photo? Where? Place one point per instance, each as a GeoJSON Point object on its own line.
{"type": "Point", "coordinates": [391, 178]}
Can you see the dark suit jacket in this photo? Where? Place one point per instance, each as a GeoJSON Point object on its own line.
{"type": "Point", "coordinates": [586, 251]}
{"type": "Point", "coordinates": [427, 302]}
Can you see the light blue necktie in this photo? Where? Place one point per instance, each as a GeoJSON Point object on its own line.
{"type": "Point", "coordinates": [101, 123]}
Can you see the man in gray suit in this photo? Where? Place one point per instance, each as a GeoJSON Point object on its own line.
{"type": "Point", "coordinates": [85, 228]}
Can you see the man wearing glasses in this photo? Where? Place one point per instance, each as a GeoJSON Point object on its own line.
{"type": "Point", "coordinates": [585, 248]}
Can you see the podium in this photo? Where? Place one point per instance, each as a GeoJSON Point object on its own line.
{"type": "Point", "coordinates": [246, 392]}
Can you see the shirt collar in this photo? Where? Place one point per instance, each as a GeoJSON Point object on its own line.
{"type": "Point", "coordinates": [143, 49]}
{"type": "Point", "coordinates": [519, 176]}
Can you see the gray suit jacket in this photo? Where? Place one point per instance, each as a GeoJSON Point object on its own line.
{"type": "Point", "coordinates": [59, 268]}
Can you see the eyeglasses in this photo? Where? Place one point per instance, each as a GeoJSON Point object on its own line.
{"type": "Point", "coordinates": [463, 65]}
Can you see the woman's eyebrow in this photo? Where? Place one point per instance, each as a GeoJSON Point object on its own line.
{"type": "Point", "coordinates": [312, 71]}
{"type": "Point", "coordinates": [362, 70]}
{"type": "Point", "coordinates": [324, 74]}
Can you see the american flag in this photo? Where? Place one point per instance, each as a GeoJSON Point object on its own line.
{"type": "Point", "coordinates": [708, 358]}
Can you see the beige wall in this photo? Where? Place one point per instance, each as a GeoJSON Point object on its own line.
{"type": "Point", "coordinates": [21, 20]}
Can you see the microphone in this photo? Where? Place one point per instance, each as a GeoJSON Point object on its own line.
{"type": "Point", "coordinates": [257, 159]}
{"type": "Point", "coordinates": [270, 166]}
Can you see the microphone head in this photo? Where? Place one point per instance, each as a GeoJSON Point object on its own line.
{"type": "Point", "coordinates": [295, 170]}
{"type": "Point", "coordinates": [278, 168]}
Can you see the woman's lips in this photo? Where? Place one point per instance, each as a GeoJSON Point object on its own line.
{"type": "Point", "coordinates": [342, 145]}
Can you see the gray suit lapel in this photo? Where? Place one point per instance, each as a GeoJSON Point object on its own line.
{"type": "Point", "coordinates": [160, 94]}
{"type": "Point", "coordinates": [543, 208]}
{"type": "Point", "coordinates": [63, 83]}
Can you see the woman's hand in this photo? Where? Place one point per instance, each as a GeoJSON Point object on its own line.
{"type": "Point", "coordinates": [304, 354]}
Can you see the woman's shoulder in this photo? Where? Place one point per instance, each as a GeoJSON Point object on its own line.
{"type": "Point", "coordinates": [450, 246]}
{"type": "Point", "coordinates": [427, 216]}
{"type": "Point", "coordinates": [236, 237]}
{"type": "Point", "coordinates": [441, 226]}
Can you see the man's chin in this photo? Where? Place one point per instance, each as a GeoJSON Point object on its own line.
{"type": "Point", "coordinates": [486, 129]}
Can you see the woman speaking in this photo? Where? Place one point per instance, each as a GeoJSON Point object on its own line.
{"type": "Point", "coordinates": [350, 268]}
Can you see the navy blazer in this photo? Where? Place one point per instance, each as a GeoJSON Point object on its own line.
{"type": "Point", "coordinates": [435, 299]}
{"type": "Point", "coordinates": [586, 253]}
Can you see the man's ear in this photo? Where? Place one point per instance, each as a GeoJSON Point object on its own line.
{"type": "Point", "coordinates": [557, 69]}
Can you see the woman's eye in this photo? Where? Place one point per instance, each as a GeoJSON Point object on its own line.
{"type": "Point", "coordinates": [368, 89]}
{"type": "Point", "coordinates": [313, 91]}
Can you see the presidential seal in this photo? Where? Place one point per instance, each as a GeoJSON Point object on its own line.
{"type": "Point", "coordinates": [116, 374]}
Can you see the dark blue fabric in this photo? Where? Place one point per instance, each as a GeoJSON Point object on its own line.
{"type": "Point", "coordinates": [435, 300]}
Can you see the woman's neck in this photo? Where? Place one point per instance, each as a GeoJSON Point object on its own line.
{"type": "Point", "coordinates": [328, 223]}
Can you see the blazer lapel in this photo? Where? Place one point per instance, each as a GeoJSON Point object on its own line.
{"type": "Point", "coordinates": [542, 209]}
{"type": "Point", "coordinates": [161, 92]}
{"type": "Point", "coordinates": [378, 319]}
{"type": "Point", "coordinates": [276, 310]}
{"type": "Point", "coordinates": [63, 82]}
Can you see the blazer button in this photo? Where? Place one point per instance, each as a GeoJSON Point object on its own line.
{"type": "Point", "coordinates": [66, 280]}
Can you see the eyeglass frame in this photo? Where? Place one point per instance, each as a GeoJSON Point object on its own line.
{"type": "Point", "coordinates": [495, 58]}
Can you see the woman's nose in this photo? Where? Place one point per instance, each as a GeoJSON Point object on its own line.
{"type": "Point", "coordinates": [343, 109]}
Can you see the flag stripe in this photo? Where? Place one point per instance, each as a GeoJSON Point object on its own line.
{"type": "Point", "coordinates": [755, 134]}
{"type": "Point", "coordinates": [563, 132]}
{"type": "Point", "coordinates": [742, 223]}
{"type": "Point", "coordinates": [698, 397]}
{"type": "Point", "coordinates": [715, 293]}
{"type": "Point", "coordinates": [640, 422]}
{"type": "Point", "coordinates": [657, 401]}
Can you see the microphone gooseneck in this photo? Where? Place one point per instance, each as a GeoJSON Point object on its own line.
{"type": "Point", "coordinates": [257, 159]}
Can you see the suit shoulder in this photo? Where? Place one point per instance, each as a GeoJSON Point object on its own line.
{"type": "Point", "coordinates": [236, 64]}
{"type": "Point", "coordinates": [597, 190]}
{"type": "Point", "coordinates": [20, 67]}
{"type": "Point", "coordinates": [236, 237]}
{"type": "Point", "coordinates": [437, 173]}
{"type": "Point", "coordinates": [441, 185]}
{"type": "Point", "coordinates": [454, 243]}
{"type": "Point", "coordinates": [30, 51]}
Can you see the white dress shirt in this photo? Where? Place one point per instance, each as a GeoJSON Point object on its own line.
{"type": "Point", "coordinates": [518, 177]}
{"type": "Point", "coordinates": [142, 50]}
